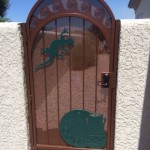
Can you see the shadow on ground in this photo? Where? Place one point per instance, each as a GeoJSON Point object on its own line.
{"type": "Point", "coordinates": [144, 143]}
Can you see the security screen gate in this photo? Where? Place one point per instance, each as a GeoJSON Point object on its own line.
{"type": "Point", "coordinates": [70, 51]}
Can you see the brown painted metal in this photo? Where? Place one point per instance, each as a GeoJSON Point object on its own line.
{"type": "Point", "coordinates": [112, 95]}
{"type": "Point", "coordinates": [115, 68]}
{"type": "Point", "coordinates": [75, 12]}
{"type": "Point", "coordinates": [33, 33]}
{"type": "Point", "coordinates": [96, 75]}
{"type": "Point", "coordinates": [70, 67]}
{"type": "Point", "coordinates": [29, 37]}
{"type": "Point", "coordinates": [43, 35]}
{"type": "Point", "coordinates": [83, 63]}
{"type": "Point", "coordinates": [53, 147]}
{"type": "Point", "coordinates": [58, 105]}
{"type": "Point", "coordinates": [26, 68]}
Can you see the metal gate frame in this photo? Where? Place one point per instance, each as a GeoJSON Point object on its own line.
{"type": "Point", "coordinates": [27, 43]}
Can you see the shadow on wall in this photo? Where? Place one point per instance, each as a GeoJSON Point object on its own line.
{"type": "Point", "coordinates": [144, 143]}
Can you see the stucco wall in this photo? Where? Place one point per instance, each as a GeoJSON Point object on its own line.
{"type": "Point", "coordinates": [133, 83]}
{"type": "Point", "coordinates": [13, 114]}
{"type": "Point", "coordinates": [133, 92]}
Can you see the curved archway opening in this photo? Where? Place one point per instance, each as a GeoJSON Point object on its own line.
{"type": "Point", "coordinates": [95, 11]}
{"type": "Point", "coordinates": [71, 46]}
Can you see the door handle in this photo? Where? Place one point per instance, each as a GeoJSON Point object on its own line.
{"type": "Point", "coordinates": [99, 83]}
{"type": "Point", "coordinates": [104, 83]}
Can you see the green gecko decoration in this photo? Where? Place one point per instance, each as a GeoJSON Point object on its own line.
{"type": "Point", "coordinates": [58, 48]}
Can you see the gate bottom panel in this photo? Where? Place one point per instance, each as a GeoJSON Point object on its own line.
{"type": "Point", "coordinates": [53, 147]}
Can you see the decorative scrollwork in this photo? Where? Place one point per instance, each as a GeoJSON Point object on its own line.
{"type": "Point", "coordinates": [49, 8]}
{"type": "Point", "coordinates": [43, 13]}
{"type": "Point", "coordinates": [99, 13]}
{"type": "Point", "coordinates": [86, 8]}
{"type": "Point", "coordinates": [57, 6]}
{"type": "Point", "coordinates": [33, 22]}
{"type": "Point", "coordinates": [71, 4]}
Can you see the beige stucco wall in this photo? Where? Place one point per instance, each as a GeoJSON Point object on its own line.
{"type": "Point", "coordinates": [13, 114]}
{"type": "Point", "coordinates": [132, 112]}
{"type": "Point", "coordinates": [132, 132]}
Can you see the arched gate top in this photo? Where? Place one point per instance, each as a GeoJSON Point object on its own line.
{"type": "Point", "coordinates": [96, 11]}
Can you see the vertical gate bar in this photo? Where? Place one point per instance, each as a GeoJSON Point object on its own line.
{"type": "Point", "coordinates": [43, 35]}
{"type": "Point", "coordinates": [70, 66]}
{"type": "Point", "coordinates": [83, 61]}
{"type": "Point", "coordinates": [28, 81]}
{"type": "Point", "coordinates": [57, 76]}
{"type": "Point", "coordinates": [109, 119]}
{"type": "Point", "coordinates": [110, 99]}
{"type": "Point", "coordinates": [57, 72]}
{"type": "Point", "coordinates": [109, 110]}
{"type": "Point", "coordinates": [115, 67]}
{"type": "Point", "coordinates": [96, 74]}
{"type": "Point", "coordinates": [32, 96]}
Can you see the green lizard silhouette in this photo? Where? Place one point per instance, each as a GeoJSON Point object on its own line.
{"type": "Point", "coordinates": [58, 48]}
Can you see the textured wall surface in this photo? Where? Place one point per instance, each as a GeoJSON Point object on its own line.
{"type": "Point", "coordinates": [132, 89]}
{"type": "Point", "coordinates": [13, 121]}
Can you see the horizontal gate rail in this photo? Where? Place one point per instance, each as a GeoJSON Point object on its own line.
{"type": "Point", "coordinates": [53, 147]}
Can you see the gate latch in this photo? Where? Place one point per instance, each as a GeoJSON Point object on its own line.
{"type": "Point", "coordinates": [107, 80]}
